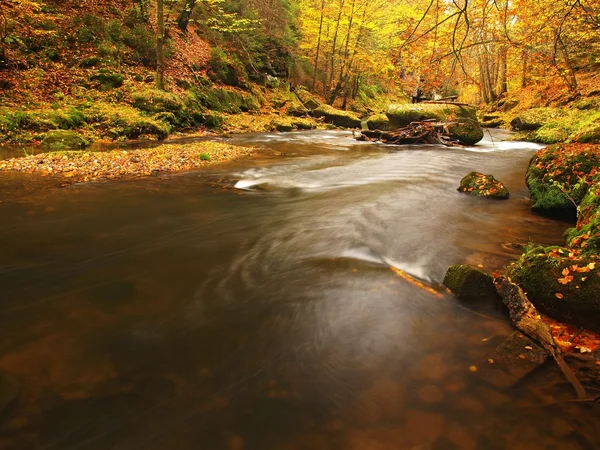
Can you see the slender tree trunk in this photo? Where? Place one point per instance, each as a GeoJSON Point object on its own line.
{"type": "Point", "coordinates": [314, 80]}
{"type": "Point", "coordinates": [502, 86]}
{"type": "Point", "coordinates": [524, 56]}
{"type": "Point", "coordinates": [160, 43]}
{"type": "Point", "coordinates": [334, 46]}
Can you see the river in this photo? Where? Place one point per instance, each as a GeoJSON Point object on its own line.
{"type": "Point", "coordinates": [253, 305]}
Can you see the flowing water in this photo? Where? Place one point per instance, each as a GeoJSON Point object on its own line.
{"type": "Point", "coordinates": [253, 305]}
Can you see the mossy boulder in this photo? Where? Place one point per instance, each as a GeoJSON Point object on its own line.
{"type": "Point", "coordinates": [481, 185]}
{"type": "Point", "coordinates": [107, 79]}
{"type": "Point", "coordinates": [472, 286]}
{"type": "Point", "coordinates": [156, 101]}
{"type": "Point", "coordinates": [296, 109]}
{"type": "Point", "coordinates": [379, 122]}
{"type": "Point", "coordinates": [308, 100]}
{"type": "Point", "coordinates": [561, 283]}
{"type": "Point", "coordinates": [337, 117]}
{"type": "Point", "coordinates": [559, 177]}
{"type": "Point", "coordinates": [467, 131]}
{"type": "Point", "coordinates": [585, 237]}
{"type": "Point", "coordinates": [64, 140]}
{"type": "Point", "coordinates": [535, 118]}
{"type": "Point", "coordinates": [401, 115]}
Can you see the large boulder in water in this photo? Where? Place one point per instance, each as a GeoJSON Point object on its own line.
{"type": "Point", "coordinates": [401, 115]}
{"type": "Point", "coordinates": [559, 177]}
{"type": "Point", "coordinates": [561, 283]}
{"type": "Point", "coordinates": [481, 185]}
{"type": "Point", "coordinates": [471, 286]}
{"type": "Point", "coordinates": [379, 122]}
{"type": "Point", "coordinates": [337, 117]}
{"type": "Point", "coordinates": [467, 131]}
{"type": "Point", "coordinates": [64, 140]}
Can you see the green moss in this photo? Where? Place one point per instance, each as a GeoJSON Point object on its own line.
{"type": "Point", "coordinates": [156, 100]}
{"type": "Point", "coordinates": [107, 80]}
{"type": "Point", "coordinates": [467, 131]}
{"type": "Point", "coordinates": [379, 122]}
{"type": "Point", "coordinates": [401, 115]}
{"type": "Point", "coordinates": [558, 177]}
{"type": "Point", "coordinates": [64, 140]}
{"type": "Point", "coordinates": [120, 121]}
{"type": "Point", "coordinates": [554, 125]}
{"type": "Point", "coordinates": [480, 185]}
{"type": "Point", "coordinates": [471, 285]}
{"type": "Point", "coordinates": [556, 289]}
{"type": "Point", "coordinates": [337, 117]}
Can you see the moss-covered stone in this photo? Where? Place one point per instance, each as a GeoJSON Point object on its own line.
{"type": "Point", "coordinates": [472, 286]}
{"type": "Point", "coordinates": [481, 185]}
{"type": "Point", "coordinates": [107, 80]}
{"type": "Point", "coordinates": [337, 117]}
{"type": "Point", "coordinates": [155, 100]}
{"type": "Point", "coordinates": [309, 101]}
{"type": "Point", "coordinates": [64, 140]}
{"type": "Point", "coordinates": [561, 283]}
{"type": "Point", "coordinates": [379, 122]}
{"type": "Point", "coordinates": [559, 176]}
{"type": "Point", "coordinates": [401, 115]}
{"type": "Point", "coordinates": [467, 131]}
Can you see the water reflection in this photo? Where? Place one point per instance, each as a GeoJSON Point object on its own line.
{"type": "Point", "coordinates": [180, 312]}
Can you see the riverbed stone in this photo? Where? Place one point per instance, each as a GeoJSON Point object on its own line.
{"type": "Point", "coordinates": [561, 284]}
{"type": "Point", "coordinates": [64, 140]}
{"type": "Point", "coordinates": [337, 117]}
{"type": "Point", "coordinates": [471, 286]}
{"type": "Point", "coordinates": [481, 185]}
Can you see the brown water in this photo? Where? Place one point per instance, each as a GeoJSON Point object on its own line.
{"type": "Point", "coordinates": [252, 306]}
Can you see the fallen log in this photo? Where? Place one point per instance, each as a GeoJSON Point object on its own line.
{"type": "Point", "coordinates": [422, 132]}
{"type": "Point", "coordinates": [526, 318]}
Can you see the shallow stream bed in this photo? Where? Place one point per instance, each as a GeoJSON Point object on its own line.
{"type": "Point", "coordinates": [252, 305]}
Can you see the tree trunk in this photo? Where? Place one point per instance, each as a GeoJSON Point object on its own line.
{"type": "Point", "coordinates": [314, 80]}
{"type": "Point", "coordinates": [334, 47]}
{"type": "Point", "coordinates": [502, 86]}
{"type": "Point", "coordinates": [186, 14]}
{"type": "Point", "coordinates": [524, 70]}
{"type": "Point", "coordinates": [160, 43]}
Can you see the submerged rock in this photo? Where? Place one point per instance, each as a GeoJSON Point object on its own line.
{"type": "Point", "coordinates": [64, 140]}
{"type": "Point", "coordinates": [481, 185]}
{"type": "Point", "coordinates": [471, 286]}
{"type": "Point", "coordinates": [511, 361]}
{"type": "Point", "coordinates": [337, 117]}
{"type": "Point", "coordinates": [561, 283]}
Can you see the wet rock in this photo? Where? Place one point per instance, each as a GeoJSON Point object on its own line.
{"type": "Point", "coordinates": [559, 177]}
{"type": "Point", "coordinates": [337, 117]}
{"type": "Point", "coordinates": [510, 362]}
{"type": "Point", "coordinates": [471, 286]}
{"type": "Point", "coordinates": [560, 285]}
{"type": "Point", "coordinates": [64, 140]}
{"type": "Point", "coordinates": [8, 391]}
{"type": "Point", "coordinates": [467, 131]}
{"type": "Point", "coordinates": [481, 185]}
{"type": "Point", "coordinates": [308, 100]}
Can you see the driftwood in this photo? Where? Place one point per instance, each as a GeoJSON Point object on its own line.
{"type": "Point", "coordinates": [423, 132]}
{"type": "Point", "coordinates": [526, 318]}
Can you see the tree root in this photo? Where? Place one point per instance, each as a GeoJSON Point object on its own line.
{"type": "Point", "coordinates": [423, 132]}
{"type": "Point", "coordinates": [526, 318]}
